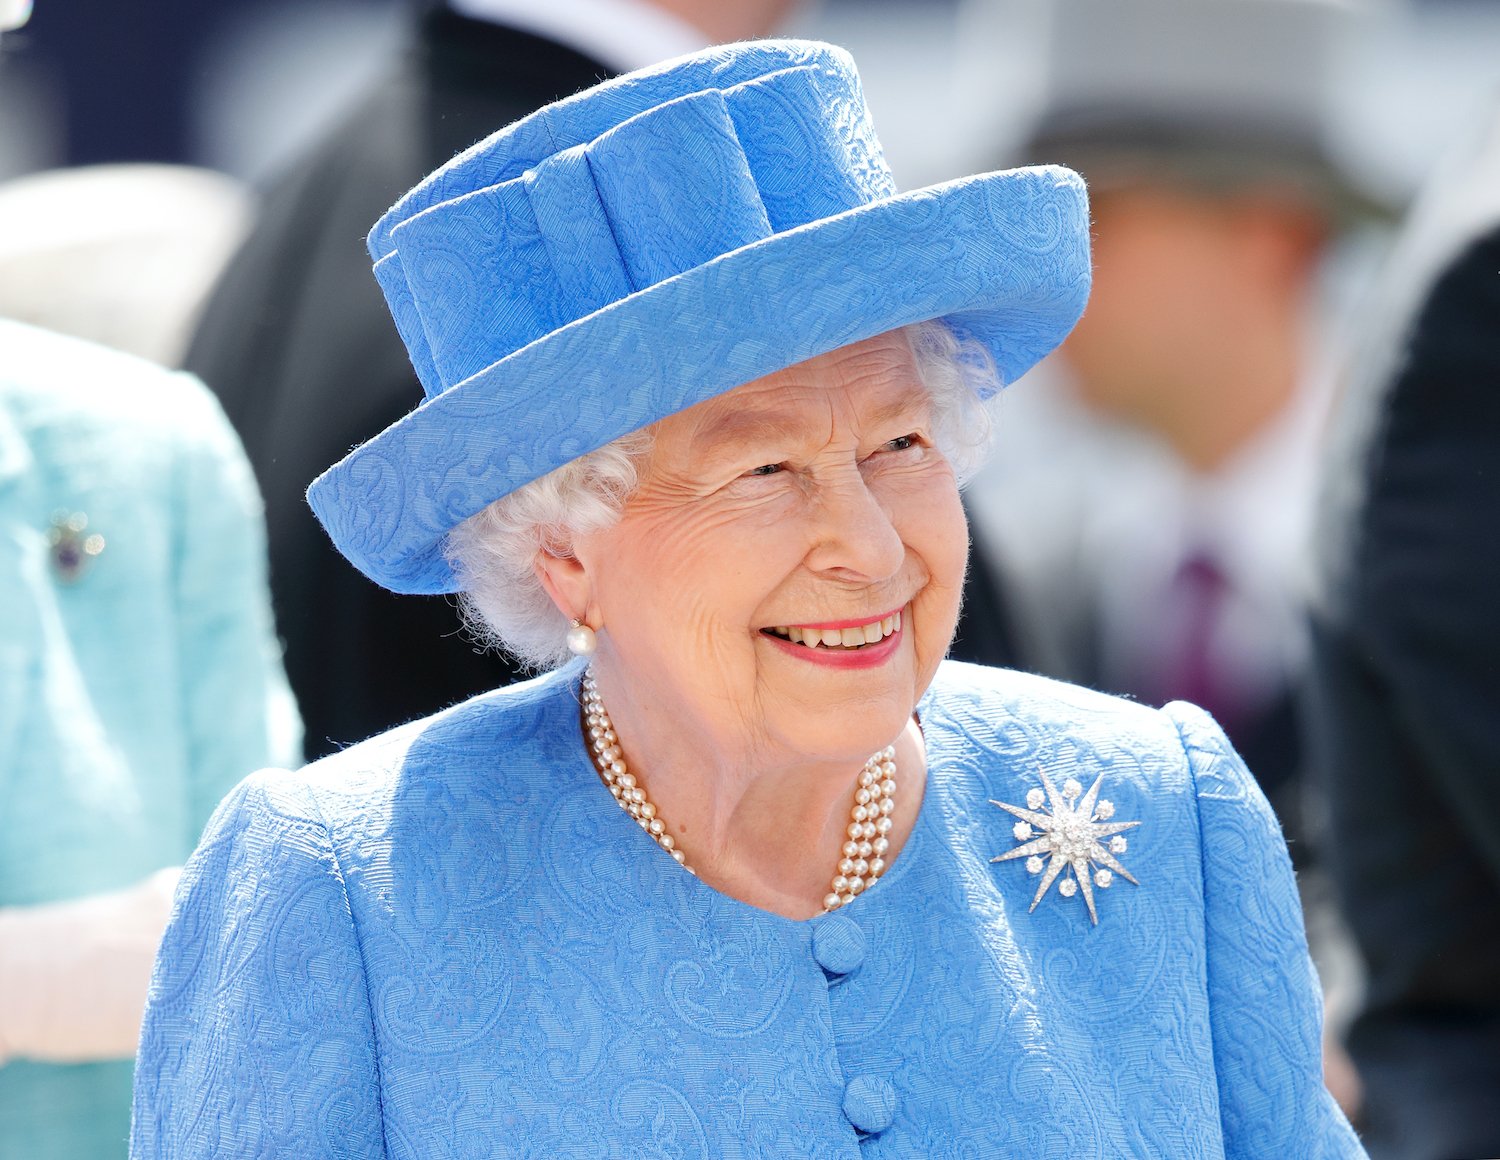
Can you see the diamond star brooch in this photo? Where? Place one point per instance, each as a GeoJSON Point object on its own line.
{"type": "Point", "coordinates": [1074, 835]}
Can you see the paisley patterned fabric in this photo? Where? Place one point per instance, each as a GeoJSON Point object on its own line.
{"type": "Point", "coordinates": [449, 941]}
{"type": "Point", "coordinates": [662, 238]}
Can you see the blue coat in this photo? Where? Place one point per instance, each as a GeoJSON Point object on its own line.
{"type": "Point", "coordinates": [134, 692]}
{"type": "Point", "coordinates": [450, 941]}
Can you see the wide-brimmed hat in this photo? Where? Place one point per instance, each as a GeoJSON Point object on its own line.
{"type": "Point", "coordinates": [648, 244]}
{"type": "Point", "coordinates": [1224, 96]}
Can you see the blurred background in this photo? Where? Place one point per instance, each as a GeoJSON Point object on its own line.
{"type": "Point", "coordinates": [190, 180]}
{"type": "Point", "coordinates": [242, 85]}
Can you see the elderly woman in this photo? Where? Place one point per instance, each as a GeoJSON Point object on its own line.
{"type": "Point", "coordinates": [756, 874]}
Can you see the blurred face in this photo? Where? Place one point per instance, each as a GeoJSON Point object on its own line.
{"type": "Point", "coordinates": [788, 574]}
{"type": "Point", "coordinates": [1165, 269]}
{"type": "Point", "coordinates": [1183, 281]}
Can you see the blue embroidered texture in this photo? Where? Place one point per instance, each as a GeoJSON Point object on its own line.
{"type": "Point", "coordinates": [654, 242]}
{"type": "Point", "coordinates": [450, 941]}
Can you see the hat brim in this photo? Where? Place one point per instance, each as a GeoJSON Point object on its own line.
{"type": "Point", "coordinates": [1002, 257]}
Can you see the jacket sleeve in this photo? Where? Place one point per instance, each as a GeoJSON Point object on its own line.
{"type": "Point", "coordinates": [237, 709]}
{"type": "Point", "coordinates": [1266, 1008]}
{"type": "Point", "coordinates": [258, 1040]}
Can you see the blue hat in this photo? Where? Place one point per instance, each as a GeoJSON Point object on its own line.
{"type": "Point", "coordinates": [645, 245]}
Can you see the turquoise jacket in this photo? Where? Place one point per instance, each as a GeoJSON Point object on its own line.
{"type": "Point", "coordinates": [136, 688]}
{"type": "Point", "coordinates": [449, 941]}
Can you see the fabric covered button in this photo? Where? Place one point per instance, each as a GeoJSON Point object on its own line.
{"type": "Point", "coordinates": [870, 1103]}
{"type": "Point", "coordinates": [839, 944]}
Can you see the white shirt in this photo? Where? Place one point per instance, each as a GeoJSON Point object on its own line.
{"type": "Point", "coordinates": [623, 34]}
{"type": "Point", "coordinates": [1087, 518]}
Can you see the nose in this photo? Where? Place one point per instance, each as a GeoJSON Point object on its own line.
{"type": "Point", "coordinates": [854, 537]}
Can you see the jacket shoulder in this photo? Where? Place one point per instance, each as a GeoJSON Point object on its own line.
{"type": "Point", "coordinates": [991, 701]}
{"type": "Point", "coordinates": [94, 420]}
{"type": "Point", "coordinates": [56, 375]}
{"type": "Point", "coordinates": [1006, 731]}
{"type": "Point", "coordinates": [481, 739]}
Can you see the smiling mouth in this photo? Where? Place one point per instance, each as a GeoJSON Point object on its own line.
{"type": "Point", "coordinates": [849, 638]}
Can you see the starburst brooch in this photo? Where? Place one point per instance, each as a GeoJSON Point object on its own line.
{"type": "Point", "coordinates": [1073, 837]}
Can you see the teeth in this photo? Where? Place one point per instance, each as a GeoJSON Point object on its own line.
{"type": "Point", "coordinates": [855, 637]}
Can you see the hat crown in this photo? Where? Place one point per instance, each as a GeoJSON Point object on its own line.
{"type": "Point", "coordinates": [532, 229]}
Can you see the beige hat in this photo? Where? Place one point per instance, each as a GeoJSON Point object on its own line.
{"type": "Point", "coordinates": [120, 254]}
{"type": "Point", "coordinates": [1218, 93]}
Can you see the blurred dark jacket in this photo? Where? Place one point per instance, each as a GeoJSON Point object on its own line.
{"type": "Point", "coordinates": [1405, 710]}
{"type": "Point", "coordinates": [300, 348]}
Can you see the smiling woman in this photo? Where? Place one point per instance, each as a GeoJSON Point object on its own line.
{"type": "Point", "coordinates": [749, 875]}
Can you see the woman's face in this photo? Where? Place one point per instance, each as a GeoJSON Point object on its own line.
{"type": "Point", "coordinates": [808, 504]}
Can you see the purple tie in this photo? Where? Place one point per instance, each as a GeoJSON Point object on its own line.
{"type": "Point", "coordinates": [1190, 673]}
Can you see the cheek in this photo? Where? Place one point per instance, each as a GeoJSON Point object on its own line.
{"type": "Point", "coordinates": [945, 550]}
{"type": "Point", "coordinates": [688, 582]}
{"type": "Point", "coordinates": [929, 516]}
{"type": "Point", "coordinates": [938, 533]}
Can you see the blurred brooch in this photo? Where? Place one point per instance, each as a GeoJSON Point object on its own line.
{"type": "Point", "coordinates": [72, 550]}
{"type": "Point", "coordinates": [1072, 840]}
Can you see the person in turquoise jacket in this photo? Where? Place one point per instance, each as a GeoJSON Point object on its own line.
{"type": "Point", "coordinates": [751, 870]}
{"type": "Point", "coordinates": [139, 680]}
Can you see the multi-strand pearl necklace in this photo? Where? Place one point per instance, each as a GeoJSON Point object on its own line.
{"type": "Point", "coordinates": [862, 858]}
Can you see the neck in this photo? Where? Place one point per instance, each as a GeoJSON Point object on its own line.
{"type": "Point", "coordinates": [1213, 426]}
{"type": "Point", "coordinates": [763, 827]}
{"type": "Point", "coordinates": [722, 22]}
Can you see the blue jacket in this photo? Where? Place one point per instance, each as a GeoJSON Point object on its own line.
{"type": "Point", "coordinates": [135, 690]}
{"type": "Point", "coordinates": [450, 941]}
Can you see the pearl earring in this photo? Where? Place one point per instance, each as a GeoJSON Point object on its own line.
{"type": "Point", "coordinates": [581, 640]}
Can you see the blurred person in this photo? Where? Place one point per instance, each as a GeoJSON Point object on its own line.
{"type": "Point", "coordinates": [1153, 517]}
{"type": "Point", "coordinates": [1404, 720]}
{"type": "Point", "coordinates": [123, 255]}
{"type": "Point", "coordinates": [296, 342]}
{"type": "Point", "coordinates": [700, 389]}
{"type": "Point", "coordinates": [139, 680]}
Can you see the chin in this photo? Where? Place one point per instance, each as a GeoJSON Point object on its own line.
{"type": "Point", "coordinates": [834, 708]}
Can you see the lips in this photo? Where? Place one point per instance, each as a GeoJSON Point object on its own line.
{"type": "Point", "coordinates": [846, 636]}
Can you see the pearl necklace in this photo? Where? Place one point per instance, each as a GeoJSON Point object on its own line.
{"type": "Point", "coordinates": [862, 858]}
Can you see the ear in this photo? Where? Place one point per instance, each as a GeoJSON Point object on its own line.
{"type": "Point", "coordinates": [566, 581]}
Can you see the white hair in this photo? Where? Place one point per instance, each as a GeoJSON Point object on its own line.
{"type": "Point", "coordinates": [493, 552]}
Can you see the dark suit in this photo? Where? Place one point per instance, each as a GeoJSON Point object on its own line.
{"type": "Point", "coordinates": [1405, 720]}
{"type": "Point", "coordinates": [299, 346]}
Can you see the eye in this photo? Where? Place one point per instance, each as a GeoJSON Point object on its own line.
{"type": "Point", "coordinates": [764, 469]}
{"type": "Point", "coordinates": [900, 443]}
